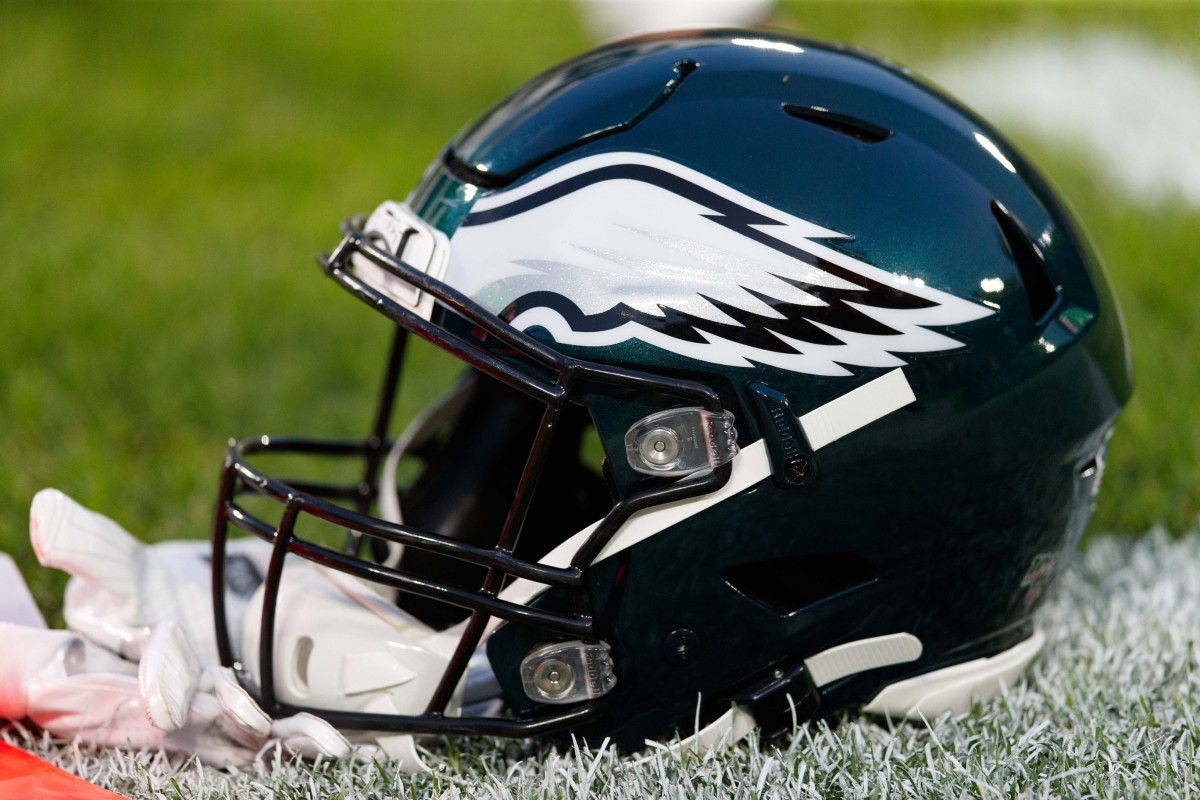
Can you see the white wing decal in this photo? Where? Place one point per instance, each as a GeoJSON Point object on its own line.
{"type": "Point", "coordinates": [627, 246]}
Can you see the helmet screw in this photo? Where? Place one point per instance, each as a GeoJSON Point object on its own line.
{"type": "Point", "coordinates": [554, 677]}
{"type": "Point", "coordinates": [682, 644]}
{"type": "Point", "coordinates": [797, 469]}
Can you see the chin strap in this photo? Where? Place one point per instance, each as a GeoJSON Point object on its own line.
{"type": "Point", "coordinates": [788, 698]}
{"type": "Point", "coordinates": [791, 696]}
{"type": "Point", "coordinates": [775, 704]}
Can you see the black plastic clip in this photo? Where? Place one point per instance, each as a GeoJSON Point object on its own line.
{"type": "Point", "coordinates": [786, 699]}
{"type": "Point", "coordinates": [792, 460]}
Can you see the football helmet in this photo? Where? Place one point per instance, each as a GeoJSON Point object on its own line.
{"type": "Point", "coordinates": [851, 366]}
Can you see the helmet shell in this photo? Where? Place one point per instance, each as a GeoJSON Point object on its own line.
{"type": "Point", "coordinates": [944, 519]}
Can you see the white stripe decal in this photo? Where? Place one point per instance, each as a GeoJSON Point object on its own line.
{"type": "Point", "coordinates": [750, 466]}
{"type": "Point", "coordinates": [835, 419]}
{"type": "Point", "coordinates": [828, 423]}
{"type": "Point", "coordinates": [857, 409]}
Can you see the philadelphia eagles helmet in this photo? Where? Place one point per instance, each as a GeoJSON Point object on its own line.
{"type": "Point", "coordinates": [847, 367]}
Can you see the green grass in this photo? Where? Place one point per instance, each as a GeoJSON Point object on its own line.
{"type": "Point", "coordinates": [1110, 710]}
{"type": "Point", "coordinates": [166, 175]}
{"type": "Point", "coordinates": [168, 171]}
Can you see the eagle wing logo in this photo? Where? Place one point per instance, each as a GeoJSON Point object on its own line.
{"type": "Point", "coordinates": [626, 246]}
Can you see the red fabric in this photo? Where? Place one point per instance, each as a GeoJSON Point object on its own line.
{"type": "Point", "coordinates": [24, 776]}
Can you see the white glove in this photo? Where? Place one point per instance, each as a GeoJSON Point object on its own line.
{"type": "Point", "coordinates": [130, 674]}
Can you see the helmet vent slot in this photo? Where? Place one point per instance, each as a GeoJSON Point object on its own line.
{"type": "Point", "coordinates": [844, 124]}
{"type": "Point", "coordinates": [786, 585]}
{"type": "Point", "coordinates": [1031, 263]}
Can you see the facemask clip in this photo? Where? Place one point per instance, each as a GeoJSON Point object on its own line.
{"type": "Point", "coordinates": [567, 672]}
{"type": "Point", "coordinates": [681, 441]}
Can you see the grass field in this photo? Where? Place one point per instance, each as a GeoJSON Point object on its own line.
{"type": "Point", "coordinates": [167, 174]}
{"type": "Point", "coordinates": [168, 171]}
{"type": "Point", "coordinates": [1110, 710]}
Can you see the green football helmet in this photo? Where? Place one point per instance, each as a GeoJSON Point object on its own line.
{"type": "Point", "coordinates": [851, 366]}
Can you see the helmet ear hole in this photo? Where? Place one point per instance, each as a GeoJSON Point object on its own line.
{"type": "Point", "coordinates": [786, 585]}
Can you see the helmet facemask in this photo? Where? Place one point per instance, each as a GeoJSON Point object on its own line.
{"type": "Point", "coordinates": [501, 510]}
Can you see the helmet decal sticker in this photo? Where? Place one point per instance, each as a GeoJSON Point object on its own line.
{"type": "Point", "coordinates": [624, 246]}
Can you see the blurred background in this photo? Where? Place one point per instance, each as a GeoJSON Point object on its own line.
{"type": "Point", "coordinates": [167, 173]}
